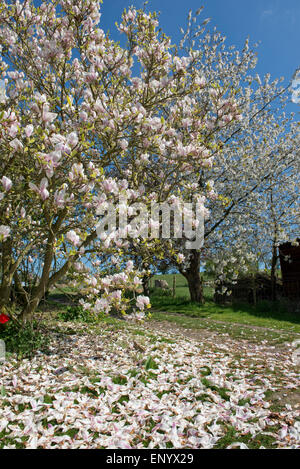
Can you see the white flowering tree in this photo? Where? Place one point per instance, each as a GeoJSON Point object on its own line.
{"type": "Point", "coordinates": [257, 153]}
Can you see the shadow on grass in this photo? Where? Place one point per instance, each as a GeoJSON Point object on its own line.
{"type": "Point", "coordinates": [271, 312]}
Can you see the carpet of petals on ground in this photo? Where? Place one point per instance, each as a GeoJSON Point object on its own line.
{"type": "Point", "coordinates": [138, 387]}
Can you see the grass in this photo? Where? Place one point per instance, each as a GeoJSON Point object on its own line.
{"type": "Point", "coordinates": [265, 314]}
{"type": "Point", "coordinates": [234, 330]}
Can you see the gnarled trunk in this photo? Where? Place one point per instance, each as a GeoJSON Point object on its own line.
{"type": "Point", "coordinates": [6, 280]}
{"type": "Point", "coordinates": [43, 286]}
{"type": "Point", "coordinates": [5, 290]}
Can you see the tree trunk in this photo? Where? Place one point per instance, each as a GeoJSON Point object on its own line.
{"type": "Point", "coordinates": [146, 287]}
{"type": "Point", "coordinates": [30, 308]}
{"type": "Point", "coordinates": [43, 286]}
{"type": "Point", "coordinates": [273, 272]}
{"type": "Point", "coordinates": [196, 288]}
{"type": "Point", "coordinates": [5, 290]}
{"type": "Point", "coordinates": [5, 287]}
{"type": "Point", "coordinates": [47, 282]}
{"type": "Point", "coordinates": [192, 274]}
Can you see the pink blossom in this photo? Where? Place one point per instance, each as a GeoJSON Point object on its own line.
{"type": "Point", "coordinates": [142, 302]}
{"type": "Point", "coordinates": [117, 294]}
{"type": "Point", "coordinates": [123, 144]}
{"type": "Point", "coordinates": [129, 266]}
{"type": "Point", "coordinates": [59, 198]}
{"type": "Point", "coordinates": [28, 130]}
{"type": "Point", "coordinates": [47, 116]}
{"type": "Point", "coordinates": [13, 130]}
{"type": "Point", "coordinates": [42, 190]}
{"type": "Point", "coordinates": [73, 237]}
{"type": "Point", "coordinates": [7, 183]}
{"type": "Point", "coordinates": [180, 258]}
{"type": "Point", "coordinates": [4, 232]}
{"type": "Point", "coordinates": [16, 144]}
{"type": "Point", "coordinates": [72, 139]}
{"type": "Point", "coordinates": [83, 116]}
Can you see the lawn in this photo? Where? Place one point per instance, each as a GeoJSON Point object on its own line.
{"type": "Point", "coordinates": [266, 314]}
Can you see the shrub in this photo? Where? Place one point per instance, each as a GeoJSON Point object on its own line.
{"type": "Point", "coordinates": [77, 314]}
{"type": "Point", "coordinates": [23, 339]}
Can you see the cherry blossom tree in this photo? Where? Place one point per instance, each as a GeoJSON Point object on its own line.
{"type": "Point", "coordinates": [257, 154]}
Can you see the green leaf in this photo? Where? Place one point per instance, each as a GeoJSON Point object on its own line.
{"type": "Point", "coordinates": [151, 364]}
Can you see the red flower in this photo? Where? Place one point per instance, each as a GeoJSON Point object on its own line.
{"type": "Point", "coordinates": [3, 318]}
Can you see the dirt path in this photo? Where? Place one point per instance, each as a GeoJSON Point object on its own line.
{"type": "Point", "coordinates": [219, 338]}
{"type": "Point", "coordinates": [226, 323]}
{"type": "Point", "coordinates": [271, 359]}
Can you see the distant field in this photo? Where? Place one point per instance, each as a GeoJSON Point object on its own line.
{"type": "Point", "coordinates": [182, 289]}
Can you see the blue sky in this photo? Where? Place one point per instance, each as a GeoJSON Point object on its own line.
{"type": "Point", "coordinates": [273, 23]}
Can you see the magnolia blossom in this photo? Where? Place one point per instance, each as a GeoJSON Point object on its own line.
{"type": "Point", "coordinates": [28, 130]}
{"type": "Point", "coordinates": [123, 144]}
{"type": "Point", "coordinates": [47, 116]}
{"type": "Point", "coordinates": [180, 258]}
{"type": "Point", "coordinates": [16, 144]}
{"type": "Point", "coordinates": [73, 237]}
{"type": "Point", "coordinates": [116, 295]}
{"type": "Point", "coordinates": [129, 266]}
{"type": "Point", "coordinates": [42, 190]}
{"type": "Point", "coordinates": [7, 183]}
{"type": "Point", "coordinates": [60, 197]}
{"type": "Point", "coordinates": [4, 232]}
{"type": "Point", "coordinates": [102, 305]}
{"type": "Point", "coordinates": [142, 302]}
{"type": "Point", "coordinates": [3, 96]}
{"type": "Point", "coordinates": [72, 139]}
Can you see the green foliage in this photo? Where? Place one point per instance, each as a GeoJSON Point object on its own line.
{"type": "Point", "coordinates": [253, 442]}
{"type": "Point", "coordinates": [151, 364]}
{"type": "Point", "coordinates": [76, 314]}
{"type": "Point", "coordinates": [223, 392]}
{"type": "Point", "coordinates": [24, 339]}
{"type": "Point", "coordinates": [122, 380]}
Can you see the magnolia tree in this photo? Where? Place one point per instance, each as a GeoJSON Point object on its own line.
{"type": "Point", "coordinates": [86, 122]}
